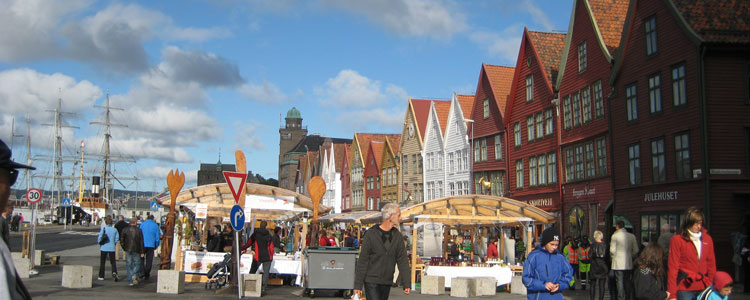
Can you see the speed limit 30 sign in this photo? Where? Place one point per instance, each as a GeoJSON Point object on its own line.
{"type": "Point", "coordinates": [33, 195]}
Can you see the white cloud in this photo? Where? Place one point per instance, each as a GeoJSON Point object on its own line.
{"type": "Point", "coordinates": [376, 120]}
{"type": "Point", "coordinates": [246, 136]}
{"type": "Point", "coordinates": [161, 172]}
{"type": "Point", "coordinates": [264, 93]}
{"type": "Point", "coordinates": [435, 19]}
{"type": "Point", "coordinates": [195, 34]}
{"type": "Point", "coordinates": [503, 45]}
{"type": "Point", "coordinates": [205, 68]}
{"type": "Point", "coordinates": [350, 89]}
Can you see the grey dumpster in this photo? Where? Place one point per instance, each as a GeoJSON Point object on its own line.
{"type": "Point", "coordinates": [330, 268]}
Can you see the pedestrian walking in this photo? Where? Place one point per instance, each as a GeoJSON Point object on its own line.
{"type": "Point", "coordinates": [120, 225]}
{"type": "Point", "coordinates": [623, 247]}
{"type": "Point", "coordinates": [648, 278]}
{"type": "Point", "coordinates": [151, 237]}
{"type": "Point", "coordinates": [262, 244]}
{"type": "Point", "coordinates": [692, 264]}
{"type": "Point", "coordinates": [599, 268]}
{"type": "Point", "coordinates": [132, 243]}
{"type": "Point", "coordinates": [382, 249]}
{"type": "Point", "coordinates": [546, 272]}
{"type": "Point", "coordinates": [108, 238]}
{"type": "Point", "coordinates": [11, 285]}
{"type": "Point", "coordinates": [571, 252]}
{"type": "Point", "coordinates": [5, 225]}
{"type": "Point", "coordinates": [584, 261]}
{"type": "Point", "coordinates": [15, 222]}
{"type": "Point", "coordinates": [720, 289]}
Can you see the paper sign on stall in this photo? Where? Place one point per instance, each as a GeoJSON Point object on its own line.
{"type": "Point", "coordinates": [201, 210]}
{"type": "Point", "coordinates": [269, 202]}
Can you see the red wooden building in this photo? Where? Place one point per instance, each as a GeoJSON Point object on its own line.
{"type": "Point", "coordinates": [532, 139]}
{"type": "Point", "coordinates": [583, 85]}
{"type": "Point", "coordinates": [487, 133]}
{"type": "Point", "coordinates": [680, 117]}
{"type": "Point", "coordinates": [372, 175]}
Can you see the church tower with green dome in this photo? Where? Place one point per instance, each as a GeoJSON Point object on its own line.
{"type": "Point", "coordinates": [289, 136]}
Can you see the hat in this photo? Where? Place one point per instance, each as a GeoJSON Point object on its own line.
{"type": "Point", "coordinates": [6, 162]}
{"type": "Point", "coordinates": [721, 279]}
{"type": "Point", "coordinates": [550, 234]}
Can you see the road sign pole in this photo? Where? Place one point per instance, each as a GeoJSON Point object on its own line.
{"type": "Point", "coordinates": [33, 236]}
{"type": "Point", "coordinates": [237, 258]}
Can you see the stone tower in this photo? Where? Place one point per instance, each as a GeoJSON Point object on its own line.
{"type": "Point", "coordinates": [289, 136]}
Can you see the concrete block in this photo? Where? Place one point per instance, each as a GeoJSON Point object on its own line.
{"type": "Point", "coordinates": [463, 287]}
{"type": "Point", "coordinates": [433, 285]}
{"type": "Point", "coordinates": [170, 282]}
{"type": "Point", "coordinates": [77, 277]}
{"type": "Point", "coordinates": [485, 286]}
{"type": "Point", "coordinates": [38, 257]}
{"type": "Point", "coordinates": [253, 284]}
{"type": "Point", "coordinates": [516, 285]}
{"type": "Point", "coordinates": [22, 266]}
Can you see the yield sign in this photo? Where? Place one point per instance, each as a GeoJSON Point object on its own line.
{"type": "Point", "coordinates": [236, 182]}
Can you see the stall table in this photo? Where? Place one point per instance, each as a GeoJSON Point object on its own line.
{"type": "Point", "coordinates": [502, 274]}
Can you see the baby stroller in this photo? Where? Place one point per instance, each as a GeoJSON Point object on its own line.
{"type": "Point", "coordinates": [218, 275]}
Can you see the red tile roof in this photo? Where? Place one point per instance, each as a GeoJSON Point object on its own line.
{"type": "Point", "coordinates": [610, 16]}
{"type": "Point", "coordinates": [501, 81]}
{"type": "Point", "coordinates": [339, 151]}
{"type": "Point", "coordinates": [466, 102]}
{"type": "Point", "coordinates": [421, 112]}
{"type": "Point", "coordinates": [443, 108]}
{"type": "Point", "coordinates": [718, 21]}
{"type": "Point", "coordinates": [395, 143]}
{"type": "Point", "coordinates": [549, 47]}
{"type": "Point", "coordinates": [377, 151]}
{"type": "Point", "coordinates": [364, 140]}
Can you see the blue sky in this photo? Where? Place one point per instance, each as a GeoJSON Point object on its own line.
{"type": "Point", "coordinates": [196, 76]}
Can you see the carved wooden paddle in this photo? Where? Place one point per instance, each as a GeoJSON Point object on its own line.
{"type": "Point", "coordinates": [239, 160]}
{"type": "Point", "coordinates": [317, 188]}
{"type": "Point", "coordinates": [175, 181]}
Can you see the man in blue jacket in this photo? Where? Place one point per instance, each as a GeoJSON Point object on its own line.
{"type": "Point", "coordinates": [151, 237]}
{"type": "Point", "coordinates": [546, 272]}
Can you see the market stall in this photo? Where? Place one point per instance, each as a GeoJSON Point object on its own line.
{"type": "Point", "coordinates": [469, 211]}
{"type": "Point", "coordinates": [213, 203]}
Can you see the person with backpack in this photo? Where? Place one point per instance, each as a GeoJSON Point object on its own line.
{"type": "Point", "coordinates": [648, 278]}
{"type": "Point", "coordinates": [262, 243]}
{"type": "Point", "coordinates": [720, 290]}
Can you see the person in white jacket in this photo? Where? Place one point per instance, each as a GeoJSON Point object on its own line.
{"type": "Point", "coordinates": [623, 248]}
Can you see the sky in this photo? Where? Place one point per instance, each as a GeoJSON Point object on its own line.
{"type": "Point", "coordinates": [197, 79]}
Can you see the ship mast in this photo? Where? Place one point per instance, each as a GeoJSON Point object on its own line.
{"type": "Point", "coordinates": [107, 158]}
{"type": "Point", "coordinates": [58, 157]}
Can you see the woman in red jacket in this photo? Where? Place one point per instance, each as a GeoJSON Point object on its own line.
{"type": "Point", "coordinates": [492, 249]}
{"type": "Point", "coordinates": [692, 264]}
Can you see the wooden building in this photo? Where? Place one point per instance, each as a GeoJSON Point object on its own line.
{"type": "Point", "coordinates": [372, 175]}
{"type": "Point", "coordinates": [389, 167]}
{"type": "Point", "coordinates": [433, 151]}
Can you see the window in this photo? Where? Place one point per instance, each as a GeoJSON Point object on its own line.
{"type": "Point", "coordinates": [586, 105]}
{"type": "Point", "coordinates": [484, 149]}
{"type": "Point", "coordinates": [532, 171]}
{"type": "Point", "coordinates": [530, 127]}
{"type": "Point", "coordinates": [477, 156]}
{"type": "Point", "coordinates": [530, 88]}
{"type": "Point", "coordinates": [579, 162]}
{"type": "Point", "coordinates": [466, 157]}
{"type": "Point", "coordinates": [517, 134]}
{"type": "Point", "coordinates": [652, 224]}
{"type": "Point", "coordinates": [466, 187]}
{"type": "Point", "coordinates": [631, 102]}
{"type": "Point", "coordinates": [440, 189]}
{"type": "Point", "coordinates": [486, 105]}
{"type": "Point", "coordinates": [549, 128]}
{"type": "Point", "coordinates": [658, 169]}
{"type": "Point", "coordinates": [651, 46]}
{"type": "Point", "coordinates": [590, 164]}
{"type": "Point", "coordinates": [598, 100]}
{"type": "Point", "coordinates": [582, 57]}
{"type": "Point", "coordinates": [552, 167]}
{"type": "Point", "coordinates": [451, 163]}
{"type": "Point", "coordinates": [498, 147]}
{"type": "Point", "coordinates": [419, 164]}
{"type": "Point", "coordinates": [569, 165]}
{"type": "Point", "coordinates": [634, 164]}
{"type": "Point", "coordinates": [576, 109]}
{"type": "Point", "coordinates": [519, 174]}
{"type": "Point", "coordinates": [682, 156]}
{"type": "Point", "coordinates": [567, 117]}
{"type": "Point", "coordinates": [654, 93]}
{"type": "Point", "coordinates": [539, 125]}
{"type": "Point", "coordinates": [601, 156]}
{"type": "Point", "coordinates": [542, 165]}
{"type": "Point", "coordinates": [405, 165]}
{"type": "Point", "coordinates": [678, 86]}
{"type": "Point", "coordinates": [451, 189]}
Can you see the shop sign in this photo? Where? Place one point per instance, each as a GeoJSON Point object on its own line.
{"type": "Point", "coordinates": [725, 172]}
{"type": "Point", "coordinates": [584, 192]}
{"type": "Point", "coordinates": [540, 202]}
{"type": "Point", "coordinates": [269, 202]}
{"type": "Point", "coordinates": [201, 210]}
{"type": "Point", "coordinates": [660, 196]}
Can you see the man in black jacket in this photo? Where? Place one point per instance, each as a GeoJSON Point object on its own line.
{"type": "Point", "coordinates": [262, 244]}
{"type": "Point", "coordinates": [120, 225]}
{"type": "Point", "coordinates": [215, 243]}
{"type": "Point", "coordinates": [132, 242]}
{"type": "Point", "coordinates": [382, 248]}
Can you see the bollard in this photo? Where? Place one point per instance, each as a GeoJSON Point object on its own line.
{"type": "Point", "coordinates": [170, 282]}
{"type": "Point", "coordinates": [77, 277]}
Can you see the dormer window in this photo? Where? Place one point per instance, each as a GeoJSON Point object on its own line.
{"type": "Point", "coordinates": [486, 106]}
{"type": "Point", "coordinates": [530, 88]}
{"type": "Point", "coordinates": [651, 45]}
{"type": "Point", "coordinates": [582, 57]}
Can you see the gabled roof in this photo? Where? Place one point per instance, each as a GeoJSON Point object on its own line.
{"type": "Point", "coordinates": [548, 47]}
{"type": "Point", "coordinates": [442, 109]}
{"type": "Point", "coordinates": [466, 102]}
{"type": "Point", "coordinates": [421, 112]}
{"type": "Point", "coordinates": [363, 140]}
{"type": "Point", "coordinates": [394, 143]}
{"type": "Point", "coordinates": [340, 153]}
{"type": "Point", "coordinates": [724, 21]}
{"type": "Point", "coordinates": [377, 152]}
{"type": "Point", "coordinates": [314, 141]}
{"type": "Point", "coordinates": [313, 162]}
{"type": "Point", "coordinates": [500, 79]}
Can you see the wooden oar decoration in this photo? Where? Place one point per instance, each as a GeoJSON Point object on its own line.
{"type": "Point", "coordinates": [175, 181]}
{"type": "Point", "coordinates": [317, 188]}
{"type": "Point", "coordinates": [239, 160]}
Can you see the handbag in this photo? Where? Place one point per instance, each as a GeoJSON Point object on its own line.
{"type": "Point", "coordinates": [104, 239]}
